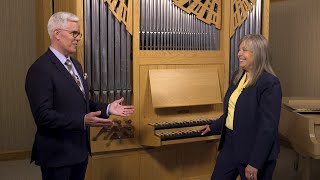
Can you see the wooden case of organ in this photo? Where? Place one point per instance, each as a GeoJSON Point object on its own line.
{"type": "Point", "coordinates": [299, 127]}
{"type": "Point", "coordinates": [181, 92]}
{"type": "Point", "coordinates": [300, 124]}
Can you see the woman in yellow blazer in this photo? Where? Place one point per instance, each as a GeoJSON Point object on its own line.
{"type": "Point", "coordinates": [249, 144]}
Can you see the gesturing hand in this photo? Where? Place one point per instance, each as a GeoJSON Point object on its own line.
{"type": "Point", "coordinates": [117, 109]}
{"type": "Point", "coordinates": [92, 119]}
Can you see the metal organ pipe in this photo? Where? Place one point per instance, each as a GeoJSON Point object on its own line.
{"type": "Point", "coordinates": [164, 26]}
{"type": "Point", "coordinates": [108, 60]}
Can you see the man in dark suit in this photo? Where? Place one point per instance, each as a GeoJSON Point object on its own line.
{"type": "Point", "coordinates": [58, 96]}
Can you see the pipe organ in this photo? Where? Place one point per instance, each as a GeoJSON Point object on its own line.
{"type": "Point", "coordinates": [171, 59]}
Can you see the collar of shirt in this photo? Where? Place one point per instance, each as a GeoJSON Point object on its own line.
{"type": "Point", "coordinates": [243, 82]}
{"type": "Point", "coordinates": [63, 60]}
{"type": "Point", "coordinates": [60, 56]}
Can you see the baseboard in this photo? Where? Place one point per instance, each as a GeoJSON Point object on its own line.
{"type": "Point", "coordinates": [15, 155]}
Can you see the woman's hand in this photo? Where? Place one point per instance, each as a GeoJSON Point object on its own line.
{"type": "Point", "coordinates": [205, 129]}
{"type": "Point", "coordinates": [251, 172]}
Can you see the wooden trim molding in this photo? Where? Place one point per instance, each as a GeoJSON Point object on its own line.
{"type": "Point", "coordinates": [15, 155]}
{"type": "Point", "coordinates": [265, 18]}
{"type": "Point", "coordinates": [276, 0]}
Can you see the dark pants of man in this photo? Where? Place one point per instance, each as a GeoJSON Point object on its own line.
{"type": "Point", "coordinates": [227, 168]}
{"type": "Point", "coordinates": [73, 172]}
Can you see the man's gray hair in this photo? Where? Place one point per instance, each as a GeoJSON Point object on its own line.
{"type": "Point", "coordinates": [59, 21]}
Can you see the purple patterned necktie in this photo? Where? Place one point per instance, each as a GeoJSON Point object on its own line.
{"type": "Point", "coordinates": [76, 78]}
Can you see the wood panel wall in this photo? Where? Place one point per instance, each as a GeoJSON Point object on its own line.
{"type": "Point", "coordinates": [43, 12]}
{"type": "Point", "coordinates": [23, 38]}
{"type": "Point", "coordinates": [294, 42]}
{"type": "Point", "coordinates": [193, 161]}
{"type": "Point", "coordinates": [18, 51]}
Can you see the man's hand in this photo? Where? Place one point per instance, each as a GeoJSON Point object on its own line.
{"type": "Point", "coordinates": [117, 109]}
{"type": "Point", "coordinates": [205, 129]}
{"type": "Point", "coordinates": [92, 119]}
{"type": "Point", "coordinates": [251, 172]}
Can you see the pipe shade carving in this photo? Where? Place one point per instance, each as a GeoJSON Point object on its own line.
{"type": "Point", "coordinates": [208, 11]}
{"type": "Point", "coordinates": [240, 10]}
{"type": "Point", "coordinates": [122, 10]}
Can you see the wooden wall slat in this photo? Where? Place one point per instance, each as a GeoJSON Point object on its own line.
{"type": "Point", "coordinates": [294, 42]}
{"type": "Point", "coordinates": [43, 13]}
{"type": "Point", "coordinates": [18, 51]}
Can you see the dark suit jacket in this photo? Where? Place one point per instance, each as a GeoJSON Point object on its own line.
{"type": "Point", "coordinates": [58, 107]}
{"type": "Point", "coordinates": [255, 124]}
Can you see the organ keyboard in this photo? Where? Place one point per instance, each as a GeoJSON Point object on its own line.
{"type": "Point", "coordinates": [179, 124]}
{"type": "Point", "coordinates": [165, 133]}
{"type": "Point", "coordinates": [179, 131]}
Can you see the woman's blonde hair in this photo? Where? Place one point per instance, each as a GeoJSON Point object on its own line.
{"type": "Point", "coordinates": [261, 58]}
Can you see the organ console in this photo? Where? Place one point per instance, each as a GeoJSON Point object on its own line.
{"type": "Point", "coordinates": [300, 126]}
{"type": "Point", "coordinates": [178, 98]}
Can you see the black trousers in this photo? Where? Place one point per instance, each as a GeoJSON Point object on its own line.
{"type": "Point", "coordinates": [227, 168]}
{"type": "Point", "coordinates": [73, 172]}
